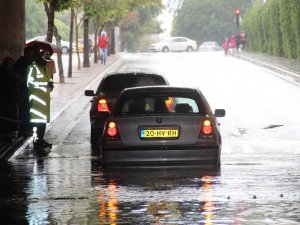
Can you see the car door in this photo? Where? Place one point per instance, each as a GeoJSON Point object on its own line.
{"type": "Point", "coordinates": [175, 44]}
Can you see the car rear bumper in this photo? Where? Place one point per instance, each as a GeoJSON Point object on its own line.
{"type": "Point", "coordinates": [209, 156]}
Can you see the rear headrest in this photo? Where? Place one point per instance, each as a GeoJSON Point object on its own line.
{"type": "Point", "coordinates": [183, 108]}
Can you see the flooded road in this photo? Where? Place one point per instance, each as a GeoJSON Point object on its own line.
{"type": "Point", "coordinates": [259, 181]}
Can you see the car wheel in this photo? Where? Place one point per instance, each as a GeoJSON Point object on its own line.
{"type": "Point", "coordinates": [189, 49]}
{"type": "Point", "coordinates": [165, 49]}
{"type": "Point", "coordinates": [64, 50]}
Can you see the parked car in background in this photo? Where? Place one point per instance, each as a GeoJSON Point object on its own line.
{"type": "Point", "coordinates": [108, 91]}
{"type": "Point", "coordinates": [210, 46]}
{"type": "Point", "coordinates": [174, 44]}
{"type": "Point", "coordinates": [64, 44]}
{"type": "Point", "coordinates": [162, 127]}
{"type": "Point", "coordinates": [81, 45]}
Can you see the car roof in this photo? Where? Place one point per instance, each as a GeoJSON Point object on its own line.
{"type": "Point", "coordinates": [133, 73]}
{"type": "Point", "coordinates": [163, 88]}
{"type": "Point", "coordinates": [110, 79]}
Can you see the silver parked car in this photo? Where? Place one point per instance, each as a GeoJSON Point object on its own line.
{"type": "Point", "coordinates": [174, 44]}
{"type": "Point", "coordinates": [210, 46]}
{"type": "Point", "coordinates": [162, 126]}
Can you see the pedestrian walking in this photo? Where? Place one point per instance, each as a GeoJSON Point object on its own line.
{"type": "Point", "coordinates": [226, 45]}
{"type": "Point", "coordinates": [243, 39]}
{"type": "Point", "coordinates": [233, 42]}
{"type": "Point", "coordinates": [39, 88]}
{"type": "Point", "coordinates": [238, 41]}
{"type": "Point", "coordinates": [103, 45]}
{"type": "Point", "coordinates": [20, 68]}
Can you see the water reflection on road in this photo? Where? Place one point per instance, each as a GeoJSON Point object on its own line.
{"type": "Point", "coordinates": [157, 196]}
{"type": "Point", "coordinates": [76, 190]}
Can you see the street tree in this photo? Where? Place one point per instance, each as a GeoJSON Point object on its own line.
{"type": "Point", "coordinates": [138, 24]}
{"type": "Point", "coordinates": [208, 20]}
{"type": "Point", "coordinates": [52, 6]}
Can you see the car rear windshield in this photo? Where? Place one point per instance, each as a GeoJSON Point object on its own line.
{"type": "Point", "coordinates": [117, 83]}
{"type": "Point", "coordinates": [153, 104]}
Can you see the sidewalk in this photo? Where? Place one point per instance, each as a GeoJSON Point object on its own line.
{"type": "Point", "coordinates": [64, 93]}
{"type": "Point", "coordinates": [283, 66]}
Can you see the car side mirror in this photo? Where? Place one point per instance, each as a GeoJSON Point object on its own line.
{"type": "Point", "coordinates": [89, 93]}
{"type": "Point", "coordinates": [220, 113]}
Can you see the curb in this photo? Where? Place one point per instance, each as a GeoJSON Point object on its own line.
{"type": "Point", "coordinates": [273, 68]}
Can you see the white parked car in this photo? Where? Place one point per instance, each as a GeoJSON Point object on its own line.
{"type": "Point", "coordinates": [174, 44]}
{"type": "Point", "coordinates": [64, 44]}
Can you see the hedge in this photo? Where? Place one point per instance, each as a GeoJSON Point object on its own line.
{"type": "Point", "coordinates": [274, 27]}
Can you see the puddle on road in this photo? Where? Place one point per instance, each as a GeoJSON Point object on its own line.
{"type": "Point", "coordinates": [75, 190]}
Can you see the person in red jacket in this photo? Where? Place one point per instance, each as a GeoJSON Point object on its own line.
{"type": "Point", "coordinates": [226, 45]}
{"type": "Point", "coordinates": [103, 44]}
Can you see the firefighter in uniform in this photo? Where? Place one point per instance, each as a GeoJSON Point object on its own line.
{"type": "Point", "coordinates": [39, 87]}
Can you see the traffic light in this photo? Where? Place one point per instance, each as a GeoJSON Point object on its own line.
{"type": "Point", "coordinates": [237, 12]}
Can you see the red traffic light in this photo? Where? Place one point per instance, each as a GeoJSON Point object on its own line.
{"type": "Point", "coordinates": [237, 12]}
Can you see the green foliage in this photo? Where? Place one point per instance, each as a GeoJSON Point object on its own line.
{"type": "Point", "coordinates": [295, 18]}
{"type": "Point", "coordinates": [36, 19]}
{"type": "Point", "coordinates": [140, 22]}
{"type": "Point", "coordinates": [207, 20]}
{"type": "Point", "coordinates": [274, 27]}
{"type": "Point", "coordinates": [288, 36]}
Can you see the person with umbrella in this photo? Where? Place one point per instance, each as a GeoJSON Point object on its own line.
{"type": "Point", "coordinates": [39, 87]}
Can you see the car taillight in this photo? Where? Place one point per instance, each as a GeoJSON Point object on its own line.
{"type": "Point", "coordinates": [102, 106]}
{"type": "Point", "coordinates": [207, 128]}
{"type": "Point", "coordinates": [112, 129]}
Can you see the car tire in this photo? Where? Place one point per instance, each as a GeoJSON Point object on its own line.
{"type": "Point", "coordinates": [64, 50]}
{"type": "Point", "coordinates": [165, 49]}
{"type": "Point", "coordinates": [189, 49]}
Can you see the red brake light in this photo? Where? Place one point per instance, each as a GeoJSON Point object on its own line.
{"type": "Point", "coordinates": [112, 129]}
{"type": "Point", "coordinates": [207, 128]}
{"type": "Point", "coordinates": [102, 106]}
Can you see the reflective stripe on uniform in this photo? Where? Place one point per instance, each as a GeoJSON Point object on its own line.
{"type": "Point", "coordinates": [38, 121]}
{"type": "Point", "coordinates": [33, 97]}
{"type": "Point", "coordinates": [34, 111]}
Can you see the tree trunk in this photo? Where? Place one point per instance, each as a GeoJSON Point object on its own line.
{"type": "Point", "coordinates": [109, 28]}
{"type": "Point", "coordinates": [112, 41]}
{"type": "Point", "coordinates": [76, 40]}
{"type": "Point", "coordinates": [86, 48]}
{"type": "Point", "coordinates": [71, 44]}
{"type": "Point", "coordinates": [59, 60]}
{"type": "Point", "coordinates": [96, 49]}
{"type": "Point", "coordinates": [49, 9]}
{"type": "Point", "coordinates": [12, 38]}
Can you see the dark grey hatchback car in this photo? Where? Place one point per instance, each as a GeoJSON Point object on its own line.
{"type": "Point", "coordinates": [162, 127]}
{"type": "Point", "coordinates": [111, 85]}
